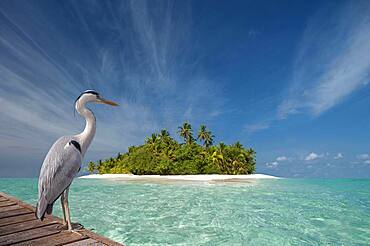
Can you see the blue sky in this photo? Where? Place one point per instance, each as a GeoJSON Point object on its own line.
{"type": "Point", "coordinates": [288, 79]}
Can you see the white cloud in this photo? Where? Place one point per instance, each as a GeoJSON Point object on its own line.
{"type": "Point", "coordinates": [333, 60]}
{"type": "Point", "coordinates": [363, 156]}
{"type": "Point", "coordinates": [338, 156]}
{"type": "Point", "coordinates": [313, 156]}
{"type": "Point", "coordinates": [273, 164]}
{"type": "Point", "coordinates": [282, 158]}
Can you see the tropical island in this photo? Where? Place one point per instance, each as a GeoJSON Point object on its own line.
{"type": "Point", "coordinates": [163, 155]}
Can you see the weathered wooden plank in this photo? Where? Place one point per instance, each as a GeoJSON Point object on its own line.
{"type": "Point", "coordinates": [7, 203]}
{"type": "Point", "coordinates": [29, 234]}
{"type": "Point", "coordinates": [11, 198]}
{"type": "Point", "coordinates": [62, 238]}
{"type": "Point", "coordinates": [8, 208]}
{"type": "Point", "coordinates": [13, 228]}
{"type": "Point", "coordinates": [48, 234]}
{"type": "Point", "coordinates": [11, 213]}
{"type": "Point", "coordinates": [17, 219]}
{"type": "Point", "coordinates": [86, 242]}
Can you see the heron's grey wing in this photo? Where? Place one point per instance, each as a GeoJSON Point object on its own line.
{"type": "Point", "coordinates": [60, 166]}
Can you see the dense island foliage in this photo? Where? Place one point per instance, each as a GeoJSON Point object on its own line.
{"type": "Point", "coordinates": [161, 154]}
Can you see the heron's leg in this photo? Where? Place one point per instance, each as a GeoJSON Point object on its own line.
{"type": "Point", "coordinates": [62, 198]}
{"type": "Point", "coordinates": [68, 215]}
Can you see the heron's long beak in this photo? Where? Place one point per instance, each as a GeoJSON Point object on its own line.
{"type": "Point", "coordinates": [109, 102]}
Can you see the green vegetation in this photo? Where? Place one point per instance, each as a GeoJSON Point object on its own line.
{"type": "Point", "coordinates": [161, 154]}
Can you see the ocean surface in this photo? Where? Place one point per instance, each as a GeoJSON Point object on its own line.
{"type": "Point", "coordinates": [262, 212]}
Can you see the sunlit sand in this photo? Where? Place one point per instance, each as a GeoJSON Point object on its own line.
{"type": "Point", "coordinates": [181, 178]}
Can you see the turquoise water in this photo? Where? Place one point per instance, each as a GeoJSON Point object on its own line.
{"type": "Point", "coordinates": [269, 212]}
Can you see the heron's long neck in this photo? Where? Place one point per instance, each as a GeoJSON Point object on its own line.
{"type": "Point", "coordinates": [87, 135]}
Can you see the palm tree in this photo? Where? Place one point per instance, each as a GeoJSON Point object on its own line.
{"type": "Point", "coordinates": [91, 167]}
{"type": "Point", "coordinates": [205, 136]}
{"type": "Point", "coordinates": [222, 147]}
{"type": "Point", "coordinates": [208, 141]}
{"type": "Point", "coordinates": [152, 139]}
{"type": "Point", "coordinates": [186, 132]}
{"type": "Point", "coordinates": [202, 133]}
{"type": "Point", "coordinates": [99, 167]}
{"type": "Point", "coordinates": [164, 134]}
{"type": "Point", "coordinates": [218, 159]}
{"type": "Point", "coordinates": [152, 143]}
{"type": "Point", "coordinates": [238, 145]}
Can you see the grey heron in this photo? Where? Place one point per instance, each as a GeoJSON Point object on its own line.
{"type": "Point", "coordinates": [64, 159]}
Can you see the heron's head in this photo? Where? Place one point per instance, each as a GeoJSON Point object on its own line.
{"type": "Point", "coordinates": [94, 97]}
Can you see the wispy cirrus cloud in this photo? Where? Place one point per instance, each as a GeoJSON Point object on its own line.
{"type": "Point", "coordinates": [255, 127]}
{"type": "Point", "coordinates": [333, 60]}
{"type": "Point", "coordinates": [138, 57]}
{"type": "Point", "coordinates": [281, 158]}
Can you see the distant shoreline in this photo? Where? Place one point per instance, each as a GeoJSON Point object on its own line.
{"type": "Point", "coordinates": [194, 178]}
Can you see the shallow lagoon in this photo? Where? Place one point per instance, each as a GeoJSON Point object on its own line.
{"type": "Point", "coordinates": [260, 212]}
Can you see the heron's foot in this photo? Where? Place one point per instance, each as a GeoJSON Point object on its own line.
{"type": "Point", "coordinates": [77, 226]}
{"type": "Point", "coordinates": [74, 227]}
{"type": "Point", "coordinates": [62, 227]}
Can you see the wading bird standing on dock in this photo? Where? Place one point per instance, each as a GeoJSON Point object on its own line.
{"type": "Point", "coordinates": [64, 160]}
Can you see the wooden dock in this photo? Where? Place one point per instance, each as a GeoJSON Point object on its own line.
{"type": "Point", "coordinates": [19, 226]}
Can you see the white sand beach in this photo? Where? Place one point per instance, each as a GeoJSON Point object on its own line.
{"type": "Point", "coordinates": [194, 178]}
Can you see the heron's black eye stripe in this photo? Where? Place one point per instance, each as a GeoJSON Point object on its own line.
{"type": "Point", "coordinates": [87, 92]}
{"type": "Point", "coordinates": [76, 144]}
{"type": "Point", "coordinates": [91, 92]}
